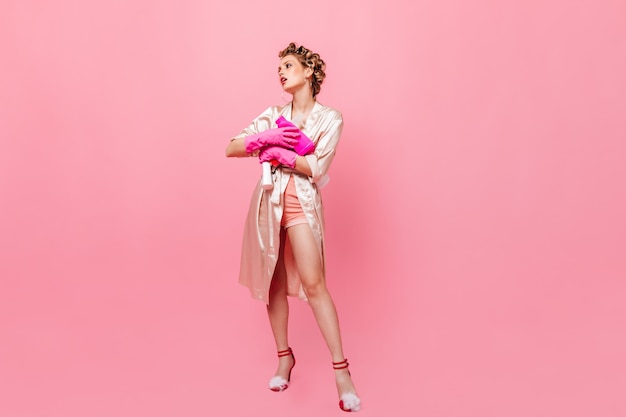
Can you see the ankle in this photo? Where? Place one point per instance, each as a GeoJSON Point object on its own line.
{"type": "Point", "coordinates": [284, 352]}
{"type": "Point", "coordinates": [341, 365]}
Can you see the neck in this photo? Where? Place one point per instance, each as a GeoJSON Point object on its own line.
{"type": "Point", "coordinates": [302, 102]}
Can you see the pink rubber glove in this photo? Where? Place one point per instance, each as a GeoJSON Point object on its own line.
{"type": "Point", "coordinates": [274, 154]}
{"type": "Point", "coordinates": [305, 145]}
{"type": "Point", "coordinates": [286, 137]}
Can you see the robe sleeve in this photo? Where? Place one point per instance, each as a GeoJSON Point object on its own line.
{"type": "Point", "coordinates": [319, 161]}
{"type": "Point", "coordinates": [262, 122]}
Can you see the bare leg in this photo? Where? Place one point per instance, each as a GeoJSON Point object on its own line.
{"type": "Point", "coordinates": [278, 313]}
{"type": "Point", "coordinates": [309, 264]}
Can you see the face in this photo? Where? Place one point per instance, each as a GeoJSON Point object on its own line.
{"type": "Point", "coordinates": [292, 75]}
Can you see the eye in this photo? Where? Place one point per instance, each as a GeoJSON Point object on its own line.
{"type": "Point", "coordinates": [288, 66]}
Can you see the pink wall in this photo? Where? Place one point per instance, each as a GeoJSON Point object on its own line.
{"type": "Point", "coordinates": [476, 226]}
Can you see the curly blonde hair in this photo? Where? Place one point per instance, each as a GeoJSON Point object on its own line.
{"type": "Point", "coordinates": [308, 59]}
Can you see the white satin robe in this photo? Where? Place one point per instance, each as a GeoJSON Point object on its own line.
{"type": "Point", "coordinates": [261, 238]}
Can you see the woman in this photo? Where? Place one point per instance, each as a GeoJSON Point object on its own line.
{"type": "Point", "coordinates": [283, 246]}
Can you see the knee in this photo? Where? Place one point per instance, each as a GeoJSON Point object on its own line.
{"type": "Point", "coordinates": [315, 288]}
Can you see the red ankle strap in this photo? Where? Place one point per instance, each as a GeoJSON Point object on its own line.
{"type": "Point", "coordinates": [341, 365]}
{"type": "Point", "coordinates": [285, 352]}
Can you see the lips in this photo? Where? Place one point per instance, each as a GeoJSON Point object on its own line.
{"type": "Point", "coordinates": [283, 80]}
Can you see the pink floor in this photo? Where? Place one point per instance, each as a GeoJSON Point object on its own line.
{"type": "Point", "coordinates": [476, 229]}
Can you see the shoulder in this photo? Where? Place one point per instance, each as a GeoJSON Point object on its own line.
{"type": "Point", "coordinates": [329, 112]}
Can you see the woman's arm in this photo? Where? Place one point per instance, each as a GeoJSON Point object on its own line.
{"type": "Point", "coordinates": [319, 161]}
{"type": "Point", "coordinates": [236, 148]}
{"type": "Point", "coordinates": [302, 166]}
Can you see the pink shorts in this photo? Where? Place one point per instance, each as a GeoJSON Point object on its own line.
{"type": "Point", "coordinates": [292, 213]}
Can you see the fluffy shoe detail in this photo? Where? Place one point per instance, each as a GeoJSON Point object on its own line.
{"type": "Point", "coordinates": [278, 384]}
{"type": "Point", "coordinates": [350, 402]}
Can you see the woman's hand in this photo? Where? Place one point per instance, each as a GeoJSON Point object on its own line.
{"type": "Point", "coordinates": [304, 145]}
{"type": "Point", "coordinates": [285, 137]}
{"type": "Point", "coordinates": [283, 156]}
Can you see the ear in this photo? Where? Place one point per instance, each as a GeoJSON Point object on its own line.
{"type": "Point", "coordinates": [308, 72]}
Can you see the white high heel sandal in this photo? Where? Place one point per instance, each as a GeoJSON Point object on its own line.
{"type": "Point", "coordinates": [278, 383]}
{"type": "Point", "coordinates": [349, 401]}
